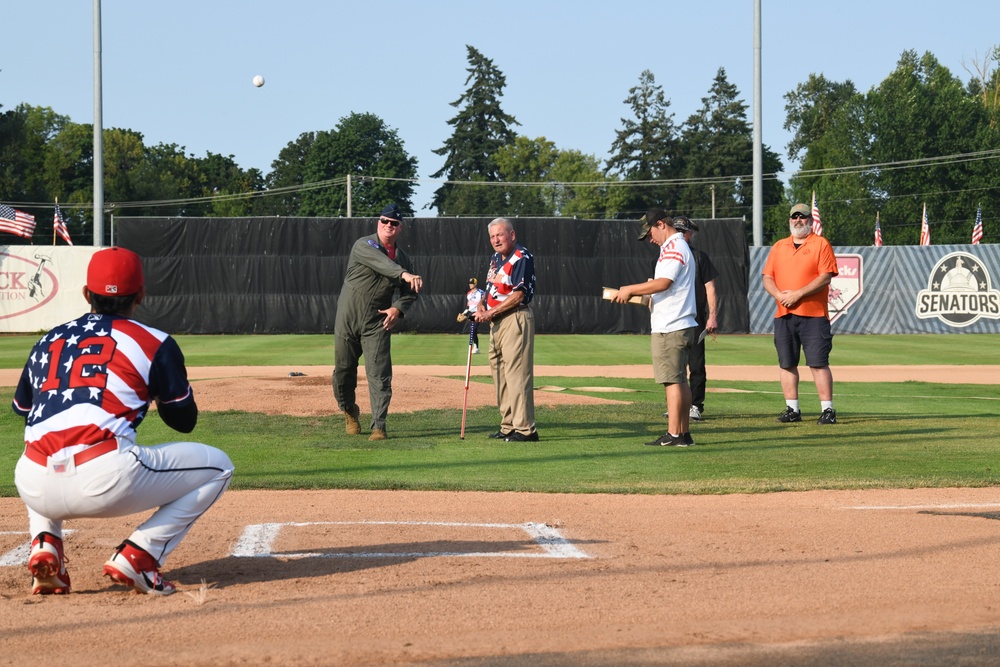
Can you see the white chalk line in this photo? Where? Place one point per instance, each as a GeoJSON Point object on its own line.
{"type": "Point", "coordinates": [19, 555]}
{"type": "Point", "coordinates": [257, 541]}
{"type": "Point", "coordinates": [953, 506]}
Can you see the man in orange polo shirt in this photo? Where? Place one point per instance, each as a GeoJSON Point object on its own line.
{"type": "Point", "coordinates": [797, 274]}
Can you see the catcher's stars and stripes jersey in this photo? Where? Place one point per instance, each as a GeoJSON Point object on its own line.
{"type": "Point", "coordinates": [93, 378]}
{"type": "Point", "coordinates": [516, 272]}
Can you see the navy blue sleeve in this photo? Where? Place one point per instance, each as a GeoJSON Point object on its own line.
{"type": "Point", "coordinates": [168, 381]}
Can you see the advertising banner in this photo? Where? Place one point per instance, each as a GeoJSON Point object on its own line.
{"type": "Point", "coordinates": [41, 286]}
{"type": "Point", "coordinates": [901, 290]}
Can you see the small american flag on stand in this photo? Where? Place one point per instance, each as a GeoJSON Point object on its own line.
{"type": "Point", "coordinates": [59, 226]}
{"type": "Point", "coordinates": [817, 223]}
{"type": "Point", "coordinates": [878, 232]}
{"type": "Point", "coordinates": [977, 229]}
{"type": "Point", "coordinates": [925, 229]}
{"type": "Point", "coordinates": [16, 222]}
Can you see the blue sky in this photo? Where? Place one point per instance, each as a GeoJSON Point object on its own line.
{"type": "Point", "coordinates": [180, 72]}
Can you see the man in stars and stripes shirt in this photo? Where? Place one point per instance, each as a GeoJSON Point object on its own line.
{"type": "Point", "coordinates": [85, 389]}
{"type": "Point", "coordinates": [510, 286]}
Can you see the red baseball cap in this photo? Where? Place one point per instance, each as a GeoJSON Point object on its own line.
{"type": "Point", "coordinates": [114, 272]}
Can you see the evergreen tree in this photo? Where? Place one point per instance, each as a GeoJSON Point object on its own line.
{"type": "Point", "coordinates": [645, 149]}
{"type": "Point", "coordinates": [481, 128]}
{"type": "Point", "coordinates": [717, 145]}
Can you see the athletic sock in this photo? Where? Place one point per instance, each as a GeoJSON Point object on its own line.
{"type": "Point", "coordinates": [825, 405]}
{"type": "Point", "coordinates": [794, 405]}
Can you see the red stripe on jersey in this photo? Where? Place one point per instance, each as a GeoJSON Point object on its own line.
{"type": "Point", "coordinates": [143, 337]}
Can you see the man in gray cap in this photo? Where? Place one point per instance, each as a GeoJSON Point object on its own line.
{"type": "Point", "coordinates": [672, 320]}
{"type": "Point", "coordinates": [377, 270]}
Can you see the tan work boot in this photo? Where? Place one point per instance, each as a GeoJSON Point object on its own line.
{"type": "Point", "coordinates": [378, 434]}
{"type": "Point", "coordinates": [351, 417]}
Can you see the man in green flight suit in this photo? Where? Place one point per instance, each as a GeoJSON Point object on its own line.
{"type": "Point", "coordinates": [366, 314]}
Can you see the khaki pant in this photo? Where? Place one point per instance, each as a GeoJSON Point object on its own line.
{"type": "Point", "coordinates": [512, 360]}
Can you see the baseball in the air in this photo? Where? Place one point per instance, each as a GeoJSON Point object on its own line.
{"type": "Point", "coordinates": [258, 81]}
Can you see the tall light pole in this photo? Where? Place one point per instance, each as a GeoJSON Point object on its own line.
{"type": "Point", "coordinates": [758, 151]}
{"type": "Point", "coordinates": [98, 133]}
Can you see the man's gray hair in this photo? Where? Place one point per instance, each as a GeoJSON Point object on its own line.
{"type": "Point", "coordinates": [500, 221]}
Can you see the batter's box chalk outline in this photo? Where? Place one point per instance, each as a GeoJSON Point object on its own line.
{"type": "Point", "coordinates": [19, 555]}
{"type": "Point", "coordinates": [257, 541]}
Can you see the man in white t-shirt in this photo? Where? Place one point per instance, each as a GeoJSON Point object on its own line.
{"type": "Point", "coordinates": [673, 312]}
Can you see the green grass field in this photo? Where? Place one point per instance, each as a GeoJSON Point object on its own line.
{"type": "Point", "coordinates": [908, 434]}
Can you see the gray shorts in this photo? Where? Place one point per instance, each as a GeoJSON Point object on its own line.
{"type": "Point", "coordinates": [670, 355]}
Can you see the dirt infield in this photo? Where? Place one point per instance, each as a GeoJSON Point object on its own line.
{"type": "Point", "coordinates": [461, 579]}
{"type": "Point", "coordinates": [390, 578]}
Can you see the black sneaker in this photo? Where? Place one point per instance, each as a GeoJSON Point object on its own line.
{"type": "Point", "coordinates": [520, 437]}
{"type": "Point", "coordinates": [789, 416]}
{"type": "Point", "coordinates": [688, 440]}
{"type": "Point", "coordinates": [829, 416]}
{"type": "Point", "coordinates": [499, 435]}
{"type": "Point", "coordinates": [667, 440]}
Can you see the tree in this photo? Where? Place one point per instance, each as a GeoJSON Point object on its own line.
{"type": "Point", "coordinates": [646, 148]}
{"type": "Point", "coordinates": [597, 197]}
{"type": "Point", "coordinates": [717, 144]}
{"type": "Point", "coordinates": [288, 171]}
{"type": "Point", "coordinates": [481, 129]}
{"type": "Point", "coordinates": [528, 161]}
{"type": "Point", "coordinates": [809, 111]}
{"type": "Point", "coordinates": [363, 146]}
{"type": "Point", "coordinates": [920, 112]}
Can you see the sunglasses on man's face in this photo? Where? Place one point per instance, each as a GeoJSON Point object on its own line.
{"type": "Point", "coordinates": [799, 216]}
{"type": "Point", "coordinates": [387, 221]}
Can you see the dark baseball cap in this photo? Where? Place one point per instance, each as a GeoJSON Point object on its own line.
{"type": "Point", "coordinates": [653, 216]}
{"type": "Point", "coordinates": [683, 224]}
{"type": "Point", "coordinates": [801, 208]}
{"type": "Point", "coordinates": [392, 212]}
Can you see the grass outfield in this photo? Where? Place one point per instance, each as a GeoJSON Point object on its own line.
{"type": "Point", "coordinates": [561, 350]}
{"type": "Point", "coordinates": [891, 435]}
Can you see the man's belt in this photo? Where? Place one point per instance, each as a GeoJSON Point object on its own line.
{"type": "Point", "coordinates": [89, 454]}
{"type": "Point", "coordinates": [509, 312]}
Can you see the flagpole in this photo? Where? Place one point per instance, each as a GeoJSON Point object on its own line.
{"type": "Point", "coordinates": [54, 223]}
{"type": "Point", "coordinates": [98, 133]}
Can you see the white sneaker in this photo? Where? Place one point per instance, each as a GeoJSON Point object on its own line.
{"type": "Point", "coordinates": [475, 349]}
{"type": "Point", "coordinates": [695, 414]}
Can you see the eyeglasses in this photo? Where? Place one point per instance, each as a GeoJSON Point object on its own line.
{"type": "Point", "coordinates": [799, 216]}
{"type": "Point", "coordinates": [387, 221]}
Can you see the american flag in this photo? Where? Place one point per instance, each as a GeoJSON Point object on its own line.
{"type": "Point", "coordinates": [925, 229]}
{"type": "Point", "coordinates": [60, 226]}
{"type": "Point", "coordinates": [16, 222]}
{"type": "Point", "coordinates": [878, 233]}
{"type": "Point", "coordinates": [977, 229]}
{"type": "Point", "coordinates": [817, 223]}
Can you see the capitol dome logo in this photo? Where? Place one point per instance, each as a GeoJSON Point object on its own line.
{"type": "Point", "coordinates": [959, 292]}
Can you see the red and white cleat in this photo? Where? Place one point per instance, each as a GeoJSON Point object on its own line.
{"type": "Point", "coordinates": [135, 567]}
{"type": "Point", "coordinates": [47, 565]}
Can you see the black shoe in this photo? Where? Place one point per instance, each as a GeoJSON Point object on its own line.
{"type": "Point", "coordinates": [514, 436]}
{"type": "Point", "coordinates": [688, 440]}
{"type": "Point", "coordinates": [789, 416]}
{"type": "Point", "coordinates": [829, 416]}
{"type": "Point", "coordinates": [499, 435]}
{"type": "Point", "coordinates": [667, 440]}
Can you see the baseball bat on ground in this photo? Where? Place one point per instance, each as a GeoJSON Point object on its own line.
{"type": "Point", "coordinates": [468, 372]}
